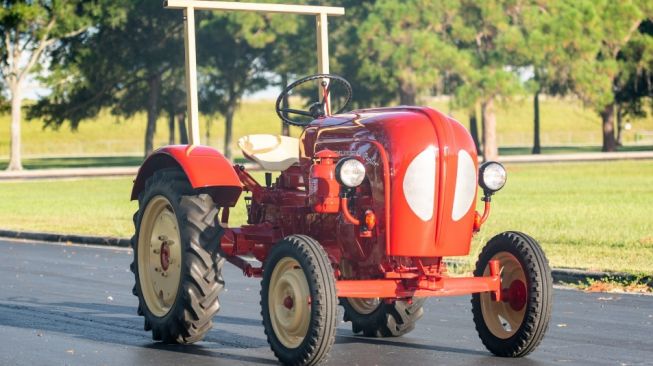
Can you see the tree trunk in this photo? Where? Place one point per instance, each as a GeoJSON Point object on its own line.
{"type": "Point", "coordinates": [154, 85]}
{"type": "Point", "coordinates": [171, 128]}
{"type": "Point", "coordinates": [536, 123]}
{"type": "Point", "coordinates": [15, 160]}
{"type": "Point", "coordinates": [473, 129]}
{"type": "Point", "coordinates": [228, 128]}
{"type": "Point", "coordinates": [607, 117]}
{"type": "Point", "coordinates": [620, 125]}
{"type": "Point", "coordinates": [490, 148]}
{"type": "Point", "coordinates": [207, 131]}
{"type": "Point", "coordinates": [285, 129]}
{"type": "Point", "coordinates": [183, 134]}
{"type": "Point", "coordinates": [407, 94]}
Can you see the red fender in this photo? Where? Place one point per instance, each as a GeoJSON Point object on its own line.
{"type": "Point", "coordinates": [206, 168]}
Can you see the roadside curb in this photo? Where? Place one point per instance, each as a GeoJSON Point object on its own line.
{"type": "Point", "coordinates": [575, 276]}
{"type": "Point", "coordinates": [560, 275]}
{"type": "Point", "coordinates": [65, 238]}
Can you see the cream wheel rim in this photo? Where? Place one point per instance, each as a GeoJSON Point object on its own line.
{"type": "Point", "coordinates": [503, 318]}
{"type": "Point", "coordinates": [362, 306]}
{"type": "Point", "coordinates": [289, 302]}
{"type": "Point", "coordinates": [159, 256]}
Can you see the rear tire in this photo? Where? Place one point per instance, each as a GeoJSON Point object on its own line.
{"type": "Point", "coordinates": [299, 301]}
{"type": "Point", "coordinates": [177, 265]}
{"type": "Point", "coordinates": [384, 320]}
{"type": "Point", "coordinates": [514, 327]}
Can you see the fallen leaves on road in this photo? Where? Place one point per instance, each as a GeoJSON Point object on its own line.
{"type": "Point", "coordinates": [613, 286]}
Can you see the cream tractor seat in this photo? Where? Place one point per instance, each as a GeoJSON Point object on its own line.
{"type": "Point", "coordinates": [271, 152]}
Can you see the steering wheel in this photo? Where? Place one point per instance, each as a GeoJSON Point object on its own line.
{"type": "Point", "coordinates": [316, 109]}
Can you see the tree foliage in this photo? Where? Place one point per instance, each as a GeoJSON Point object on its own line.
{"type": "Point", "coordinates": [131, 59]}
{"type": "Point", "coordinates": [120, 66]}
{"type": "Point", "coordinates": [28, 31]}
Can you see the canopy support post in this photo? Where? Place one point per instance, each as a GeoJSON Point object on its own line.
{"type": "Point", "coordinates": [191, 77]}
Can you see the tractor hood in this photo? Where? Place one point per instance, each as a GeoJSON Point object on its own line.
{"type": "Point", "coordinates": [433, 174]}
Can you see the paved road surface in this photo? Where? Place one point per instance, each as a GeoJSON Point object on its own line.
{"type": "Point", "coordinates": [72, 305]}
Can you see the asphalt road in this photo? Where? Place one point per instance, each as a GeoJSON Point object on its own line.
{"type": "Point", "coordinates": [72, 305]}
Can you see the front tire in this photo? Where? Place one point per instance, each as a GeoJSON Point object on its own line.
{"type": "Point", "coordinates": [515, 326]}
{"type": "Point", "coordinates": [177, 265]}
{"type": "Point", "coordinates": [299, 301]}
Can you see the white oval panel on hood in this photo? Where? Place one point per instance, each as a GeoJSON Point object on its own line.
{"type": "Point", "coordinates": [465, 186]}
{"type": "Point", "coordinates": [419, 183]}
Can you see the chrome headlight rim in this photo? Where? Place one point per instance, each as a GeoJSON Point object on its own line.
{"type": "Point", "coordinates": [488, 166]}
{"type": "Point", "coordinates": [346, 166]}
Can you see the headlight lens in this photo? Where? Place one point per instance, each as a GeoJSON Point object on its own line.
{"type": "Point", "coordinates": [350, 172]}
{"type": "Point", "coordinates": [492, 176]}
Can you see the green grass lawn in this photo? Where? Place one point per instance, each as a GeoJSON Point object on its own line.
{"type": "Point", "coordinates": [564, 122]}
{"type": "Point", "coordinates": [586, 215]}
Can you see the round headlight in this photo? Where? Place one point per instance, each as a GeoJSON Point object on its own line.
{"type": "Point", "coordinates": [492, 176]}
{"type": "Point", "coordinates": [350, 172]}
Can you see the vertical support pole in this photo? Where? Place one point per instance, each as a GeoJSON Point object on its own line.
{"type": "Point", "coordinates": [322, 25]}
{"type": "Point", "coordinates": [322, 43]}
{"type": "Point", "coordinates": [191, 76]}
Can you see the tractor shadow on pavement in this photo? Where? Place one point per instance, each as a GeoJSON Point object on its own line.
{"type": "Point", "coordinates": [119, 324]}
{"type": "Point", "coordinates": [344, 337]}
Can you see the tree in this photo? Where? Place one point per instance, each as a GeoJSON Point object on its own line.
{"type": "Point", "coordinates": [558, 35]}
{"type": "Point", "coordinates": [226, 76]}
{"type": "Point", "coordinates": [29, 30]}
{"type": "Point", "coordinates": [489, 31]}
{"type": "Point", "coordinates": [121, 65]}
{"type": "Point", "coordinates": [597, 81]}
{"type": "Point", "coordinates": [406, 45]}
{"type": "Point", "coordinates": [173, 100]}
{"type": "Point", "coordinates": [291, 55]}
{"type": "Point", "coordinates": [349, 61]}
{"type": "Point", "coordinates": [635, 83]}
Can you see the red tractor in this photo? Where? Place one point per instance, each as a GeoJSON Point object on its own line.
{"type": "Point", "coordinates": [359, 211]}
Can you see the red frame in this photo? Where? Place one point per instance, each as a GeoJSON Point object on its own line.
{"type": "Point", "coordinates": [401, 256]}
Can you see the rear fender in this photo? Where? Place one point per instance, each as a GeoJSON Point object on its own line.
{"type": "Point", "coordinates": [207, 170]}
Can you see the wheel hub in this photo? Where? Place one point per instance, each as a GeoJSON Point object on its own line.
{"type": "Point", "coordinates": [288, 302]}
{"type": "Point", "coordinates": [515, 295]}
{"type": "Point", "coordinates": [165, 256]}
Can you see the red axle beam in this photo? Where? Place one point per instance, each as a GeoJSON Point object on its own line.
{"type": "Point", "coordinates": [422, 287]}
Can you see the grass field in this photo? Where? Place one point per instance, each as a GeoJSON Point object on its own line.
{"type": "Point", "coordinates": [589, 215]}
{"type": "Point", "coordinates": [564, 122]}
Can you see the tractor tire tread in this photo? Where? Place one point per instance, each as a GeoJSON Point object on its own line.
{"type": "Point", "coordinates": [322, 331]}
{"type": "Point", "coordinates": [539, 302]}
{"type": "Point", "coordinates": [190, 317]}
